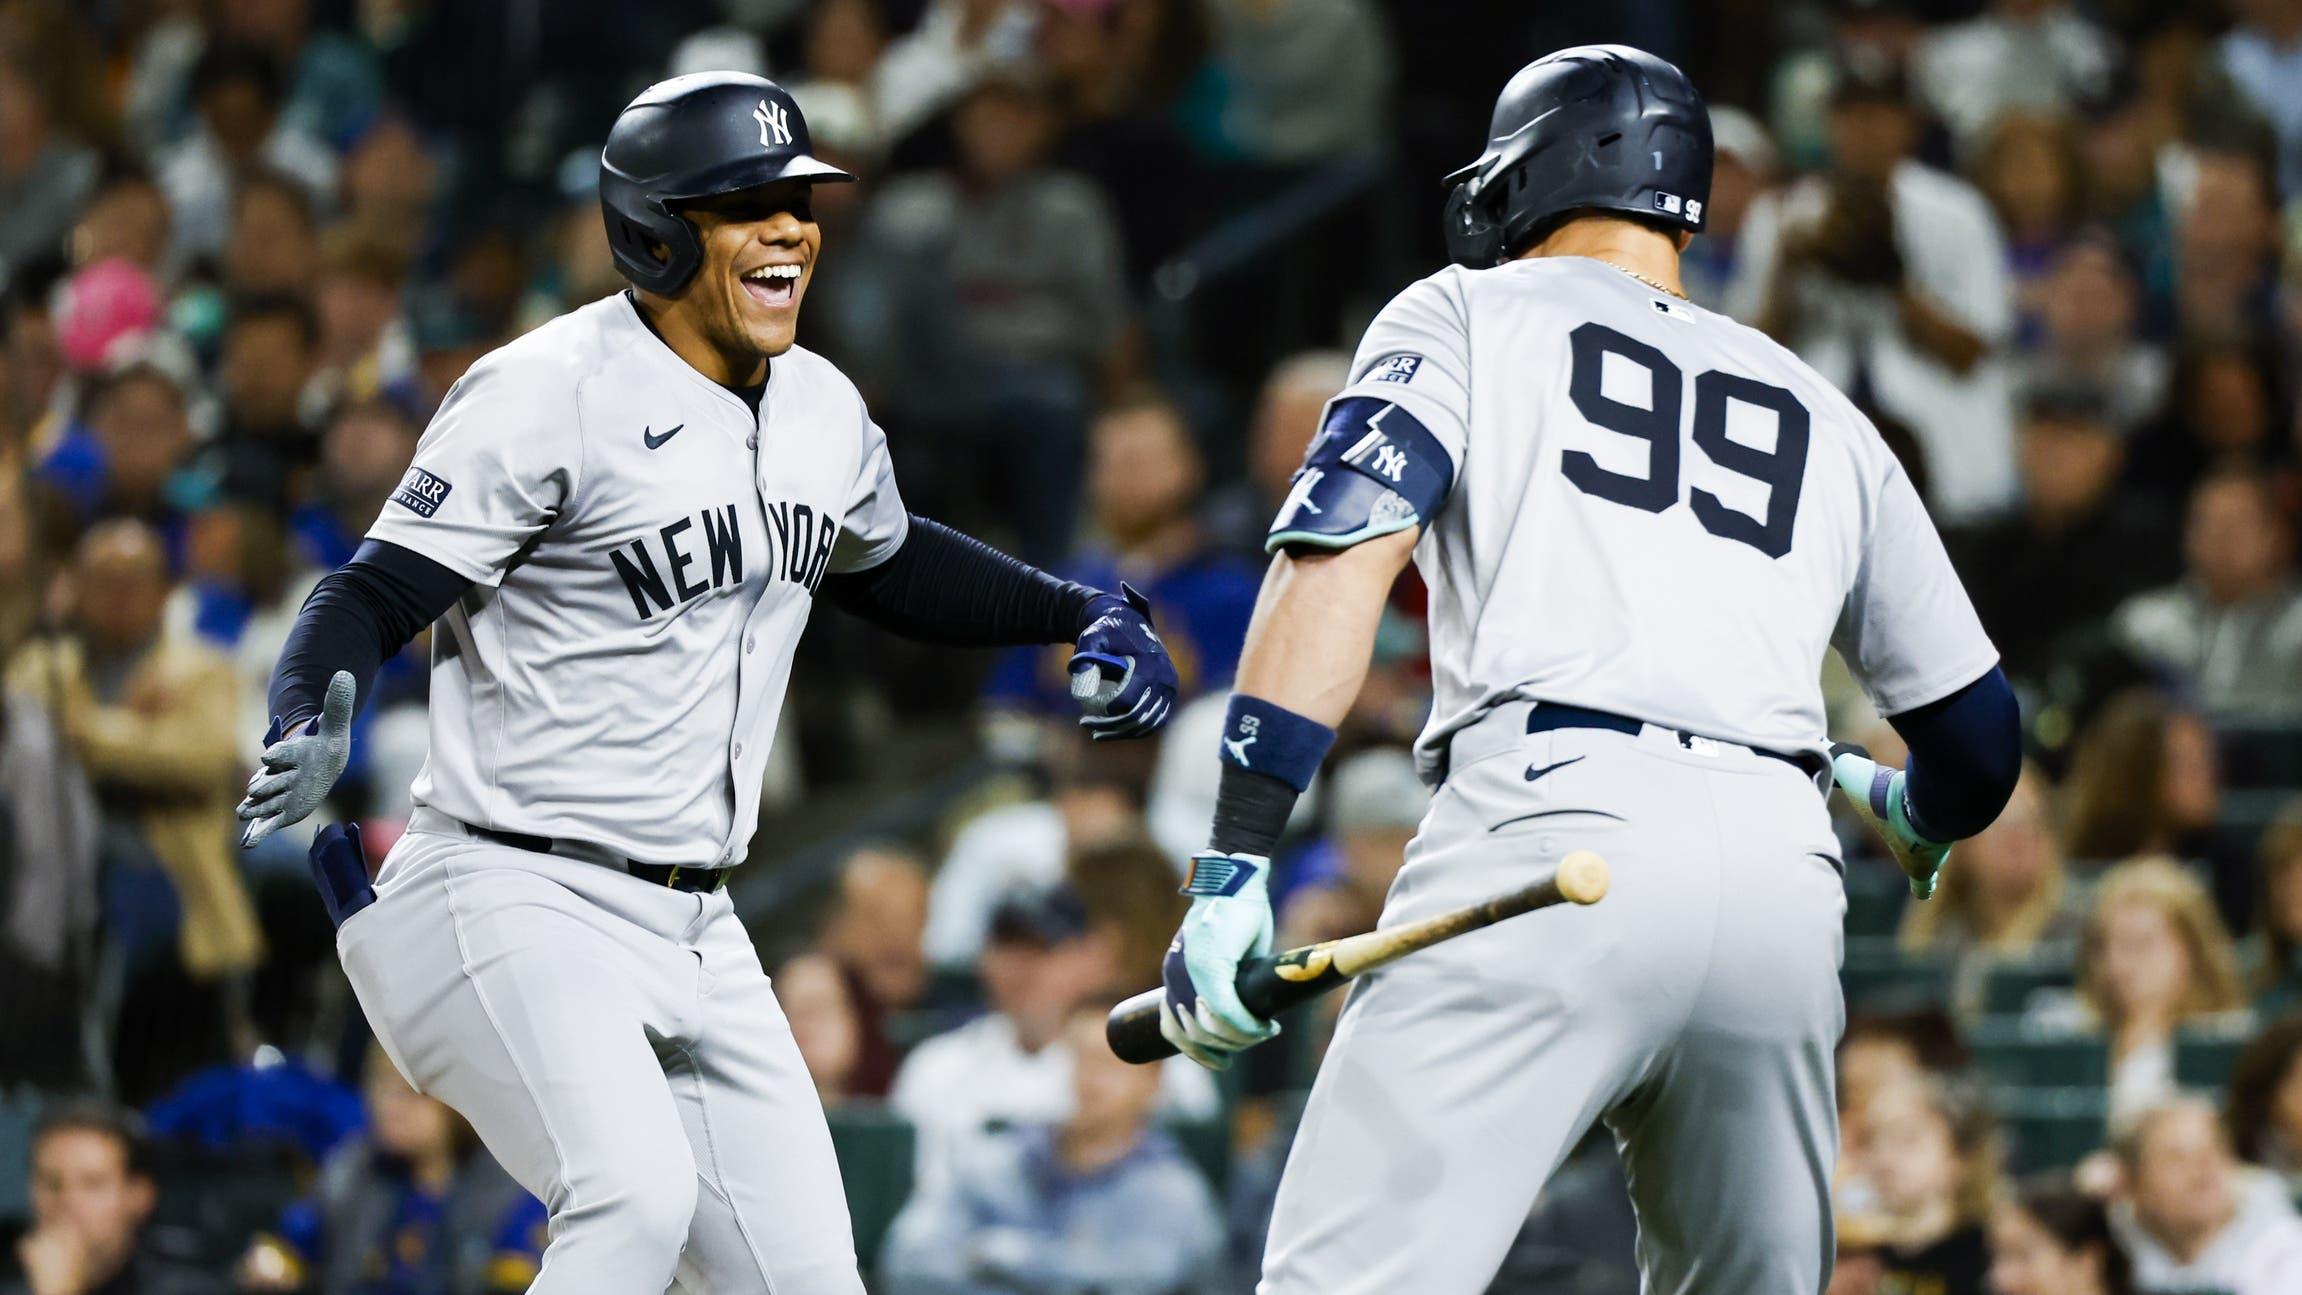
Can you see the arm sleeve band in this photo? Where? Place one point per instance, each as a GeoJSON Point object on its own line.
{"type": "Point", "coordinates": [1965, 757]}
{"type": "Point", "coordinates": [357, 617]}
{"type": "Point", "coordinates": [944, 587]}
{"type": "Point", "coordinates": [1270, 754]}
{"type": "Point", "coordinates": [1374, 469]}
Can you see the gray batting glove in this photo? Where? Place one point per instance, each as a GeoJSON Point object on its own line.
{"type": "Point", "coordinates": [299, 768]}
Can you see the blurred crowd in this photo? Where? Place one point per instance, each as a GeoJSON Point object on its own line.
{"type": "Point", "coordinates": [1103, 269]}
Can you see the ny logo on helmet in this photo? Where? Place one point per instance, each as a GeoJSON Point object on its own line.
{"type": "Point", "coordinates": [772, 117]}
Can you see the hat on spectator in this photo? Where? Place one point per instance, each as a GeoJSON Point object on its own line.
{"type": "Point", "coordinates": [1868, 76]}
{"type": "Point", "coordinates": [1738, 134]}
{"type": "Point", "coordinates": [103, 309]}
{"type": "Point", "coordinates": [1045, 916]}
{"type": "Point", "coordinates": [1377, 790]}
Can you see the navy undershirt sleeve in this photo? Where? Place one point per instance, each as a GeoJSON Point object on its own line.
{"type": "Point", "coordinates": [1965, 757]}
{"type": "Point", "coordinates": [358, 616]}
{"type": "Point", "coordinates": [944, 587]}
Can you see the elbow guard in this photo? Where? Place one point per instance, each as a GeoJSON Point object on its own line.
{"type": "Point", "coordinates": [1374, 469]}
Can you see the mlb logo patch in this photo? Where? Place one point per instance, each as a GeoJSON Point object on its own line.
{"type": "Point", "coordinates": [1396, 368]}
{"type": "Point", "coordinates": [1667, 202]}
{"type": "Point", "coordinates": [421, 493]}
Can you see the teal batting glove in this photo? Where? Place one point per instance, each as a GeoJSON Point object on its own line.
{"type": "Point", "coordinates": [1880, 795]}
{"type": "Point", "coordinates": [1229, 922]}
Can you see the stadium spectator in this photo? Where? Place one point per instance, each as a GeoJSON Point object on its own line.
{"type": "Point", "coordinates": [2193, 1217]}
{"type": "Point", "coordinates": [1129, 887]}
{"type": "Point", "coordinates": [364, 453]}
{"type": "Point", "coordinates": [876, 941]}
{"type": "Point", "coordinates": [2009, 897]}
{"type": "Point", "coordinates": [814, 994]}
{"type": "Point", "coordinates": [2231, 628]}
{"type": "Point", "coordinates": [2049, 1238]}
{"type": "Point", "coordinates": [2031, 170]}
{"type": "Point", "coordinates": [2040, 55]}
{"type": "Point", "coordinates": [1144, 478]}
{"type": "Point", "coordinates": [390, 183]}
{"type": "Point", "coordinates": [955, 44]}
{"type": "Point", "coordinates": [45, 174]}
{"type": "Point", "coordinates": [92, 1192]}
{"type": "Point", "coordinates": [333, 86]}
{"type": "Point", "coordinates": [2226, 244]}
{"type": "Point", "coordinates": [236, 91]}
{"type": "Point", "coordinates": [1929, 1154]}
{"type": "Point", "coordinates": [127, 218]}
{"type": "Point", "coordinates": [1100, 1201]}
{"type": "Point", "coordinates": [2089, 310]}
{"type": "Point", "coordinates": [1305, 81]}
{"type": "Point", "coordinates": [1042, 960]}
{"type": "Point", "coordinates": [2265, 1112]}
{"type": "Point", "coordinates": [2262, 56]}
{"type": "Point", "coordinates": [149, 716]}
{"type": "Point", "coordinates": [2220, 411]}
{"type": "Point", "coordinates": [48, 878]}
{"type": "Point", "coordinates": [2271, 953]}
{"type": "Point", "coordinates": [1745, 166]}
{"type": "Point", "coordinates": [416, 1206]}
{"type": "Point", "coordinates": [271, 351]}
{"type": "Point", "coordinates": [1096, 798]}
{"type": "Point", "coordinates": [1006, 305]}
{"type": "Point", "coordinates": [274, 246]}
{"type": "Point", "coordinates": [1238, 513]}
{"type": "Point", "coordinates": [1890, 278]}
{"type": "Point", "coordinates": [2075, 548]}
{"type": "Point", "coordinates": [2154, 959]}
{"type": "Point", "coordinates": [127, 457]}
{"type": "Point", "coordinates": [2143, 780]}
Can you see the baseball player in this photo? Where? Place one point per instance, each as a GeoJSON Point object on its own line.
{"type": "Point", "coordinates": [1642, 524]}
{"type": "Point", "coordinates": [621, 521]}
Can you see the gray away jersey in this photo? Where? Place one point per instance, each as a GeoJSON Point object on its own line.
{"type": "Point", "coordinates": [645, 555]}
{"type": "Point", "coordinates": [1656, 511]}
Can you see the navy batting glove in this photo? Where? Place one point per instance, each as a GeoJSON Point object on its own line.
{"type": "Point", "coordinates": [340, 869]}
{"type": "Point", "coordinates": [1120, 674]}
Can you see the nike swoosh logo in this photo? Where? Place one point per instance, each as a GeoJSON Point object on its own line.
{"type": "Point", "coordinates": [1534, 773]}
{"type": "Point", "coordinates": [655, 442]}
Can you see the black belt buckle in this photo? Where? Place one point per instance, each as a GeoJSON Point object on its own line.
{"type": "Point", "coordinates": [695, 881]}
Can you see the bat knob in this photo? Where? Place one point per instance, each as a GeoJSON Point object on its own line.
{"type": "Point", "coordinates": [1582, 877]}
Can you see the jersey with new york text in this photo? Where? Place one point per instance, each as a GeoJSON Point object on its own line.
{"type": "Point", "coordinates": [1655, 511]}
{"type": "Point", "coordinates": [645, 552]}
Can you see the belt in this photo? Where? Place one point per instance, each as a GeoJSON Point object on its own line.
{"type": "Point", "coordinates": [700, 881]}
{"type": "Point", "coordinates": [1544, 717]}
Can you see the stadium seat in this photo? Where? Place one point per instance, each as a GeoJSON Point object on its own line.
{"type": "Point", "coordinates": [1875, 895]}
{"type": "Point", "coordinates": [2009, 985]}
{"type": "Point", "coordinates": [2205, 1055]}
{"type": "Point", "coordinates": [876, 1152]}
{"type": "Point", "coordinates": [2017, 1053]}
{"type": "Point", "coordinates": [2050, 1128]}
{"type": "Point", "coordinates": [1880, 977]}
{"type": "Point", "coordinates": [2260, 754]}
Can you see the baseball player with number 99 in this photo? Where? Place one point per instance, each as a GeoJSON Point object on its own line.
{"type": "Point", "coordinates": [1642, 525]}
{"type": "Point", "coordinates": [621, 522]}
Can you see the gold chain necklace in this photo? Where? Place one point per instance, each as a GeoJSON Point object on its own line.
{"type": "Point", "coordinates": [1659, 287]}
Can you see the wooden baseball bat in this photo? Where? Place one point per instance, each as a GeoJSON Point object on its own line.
{"type": "Point", "coordinates": [1271, 985]}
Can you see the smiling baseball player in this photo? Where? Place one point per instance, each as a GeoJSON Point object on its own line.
{"type": "Point", "coordinates": [621, 522]}
{"type": "Point", "coordinates": [1642, 525]}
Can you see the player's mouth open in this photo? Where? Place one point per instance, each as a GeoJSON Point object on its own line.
{"type": "Point", "coordinates": [773, 286]}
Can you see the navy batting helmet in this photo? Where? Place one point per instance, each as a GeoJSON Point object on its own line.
{"type": "Point", "coordinates": [692, 137]}
{"type": "Point", "coordinates": [1593, 128]}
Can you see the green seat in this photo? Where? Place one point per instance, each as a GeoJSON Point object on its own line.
{"type": "Point", "coordinates": [1207, 1143]}
{"type": "Point", "coordinates": [2009, 984]}
{"type": "Point", "coordinates": [2203, 1058]}
{"type": "Point", "coordinates": [876, 1152]}
{"type": "Point", "coordinates": [2051, 1128]}
{"type": "Point", "coordinates": [2014, 1053]}
{"type": "Point", "coordinates": [1874, 900]}
{"type": "Point", "coordinates": [1879, 977]}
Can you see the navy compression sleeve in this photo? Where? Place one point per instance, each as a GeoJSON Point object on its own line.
{"type": "Point", "coordinates": [944, 587]}
{"type": "Point", "coordinates": [357, 617]}
{"type": "Point", "coordinates": [1965, 756]}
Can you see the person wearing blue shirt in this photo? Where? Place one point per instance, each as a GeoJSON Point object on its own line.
{"type": "Point", "coordinates": [1102, 1203]}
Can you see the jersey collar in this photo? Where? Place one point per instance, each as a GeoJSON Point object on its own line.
{"type": "Point", "coordinates": [637, 323]}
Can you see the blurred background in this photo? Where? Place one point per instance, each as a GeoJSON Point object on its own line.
{"type": "Point", "coordinates": [1107, 259]}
